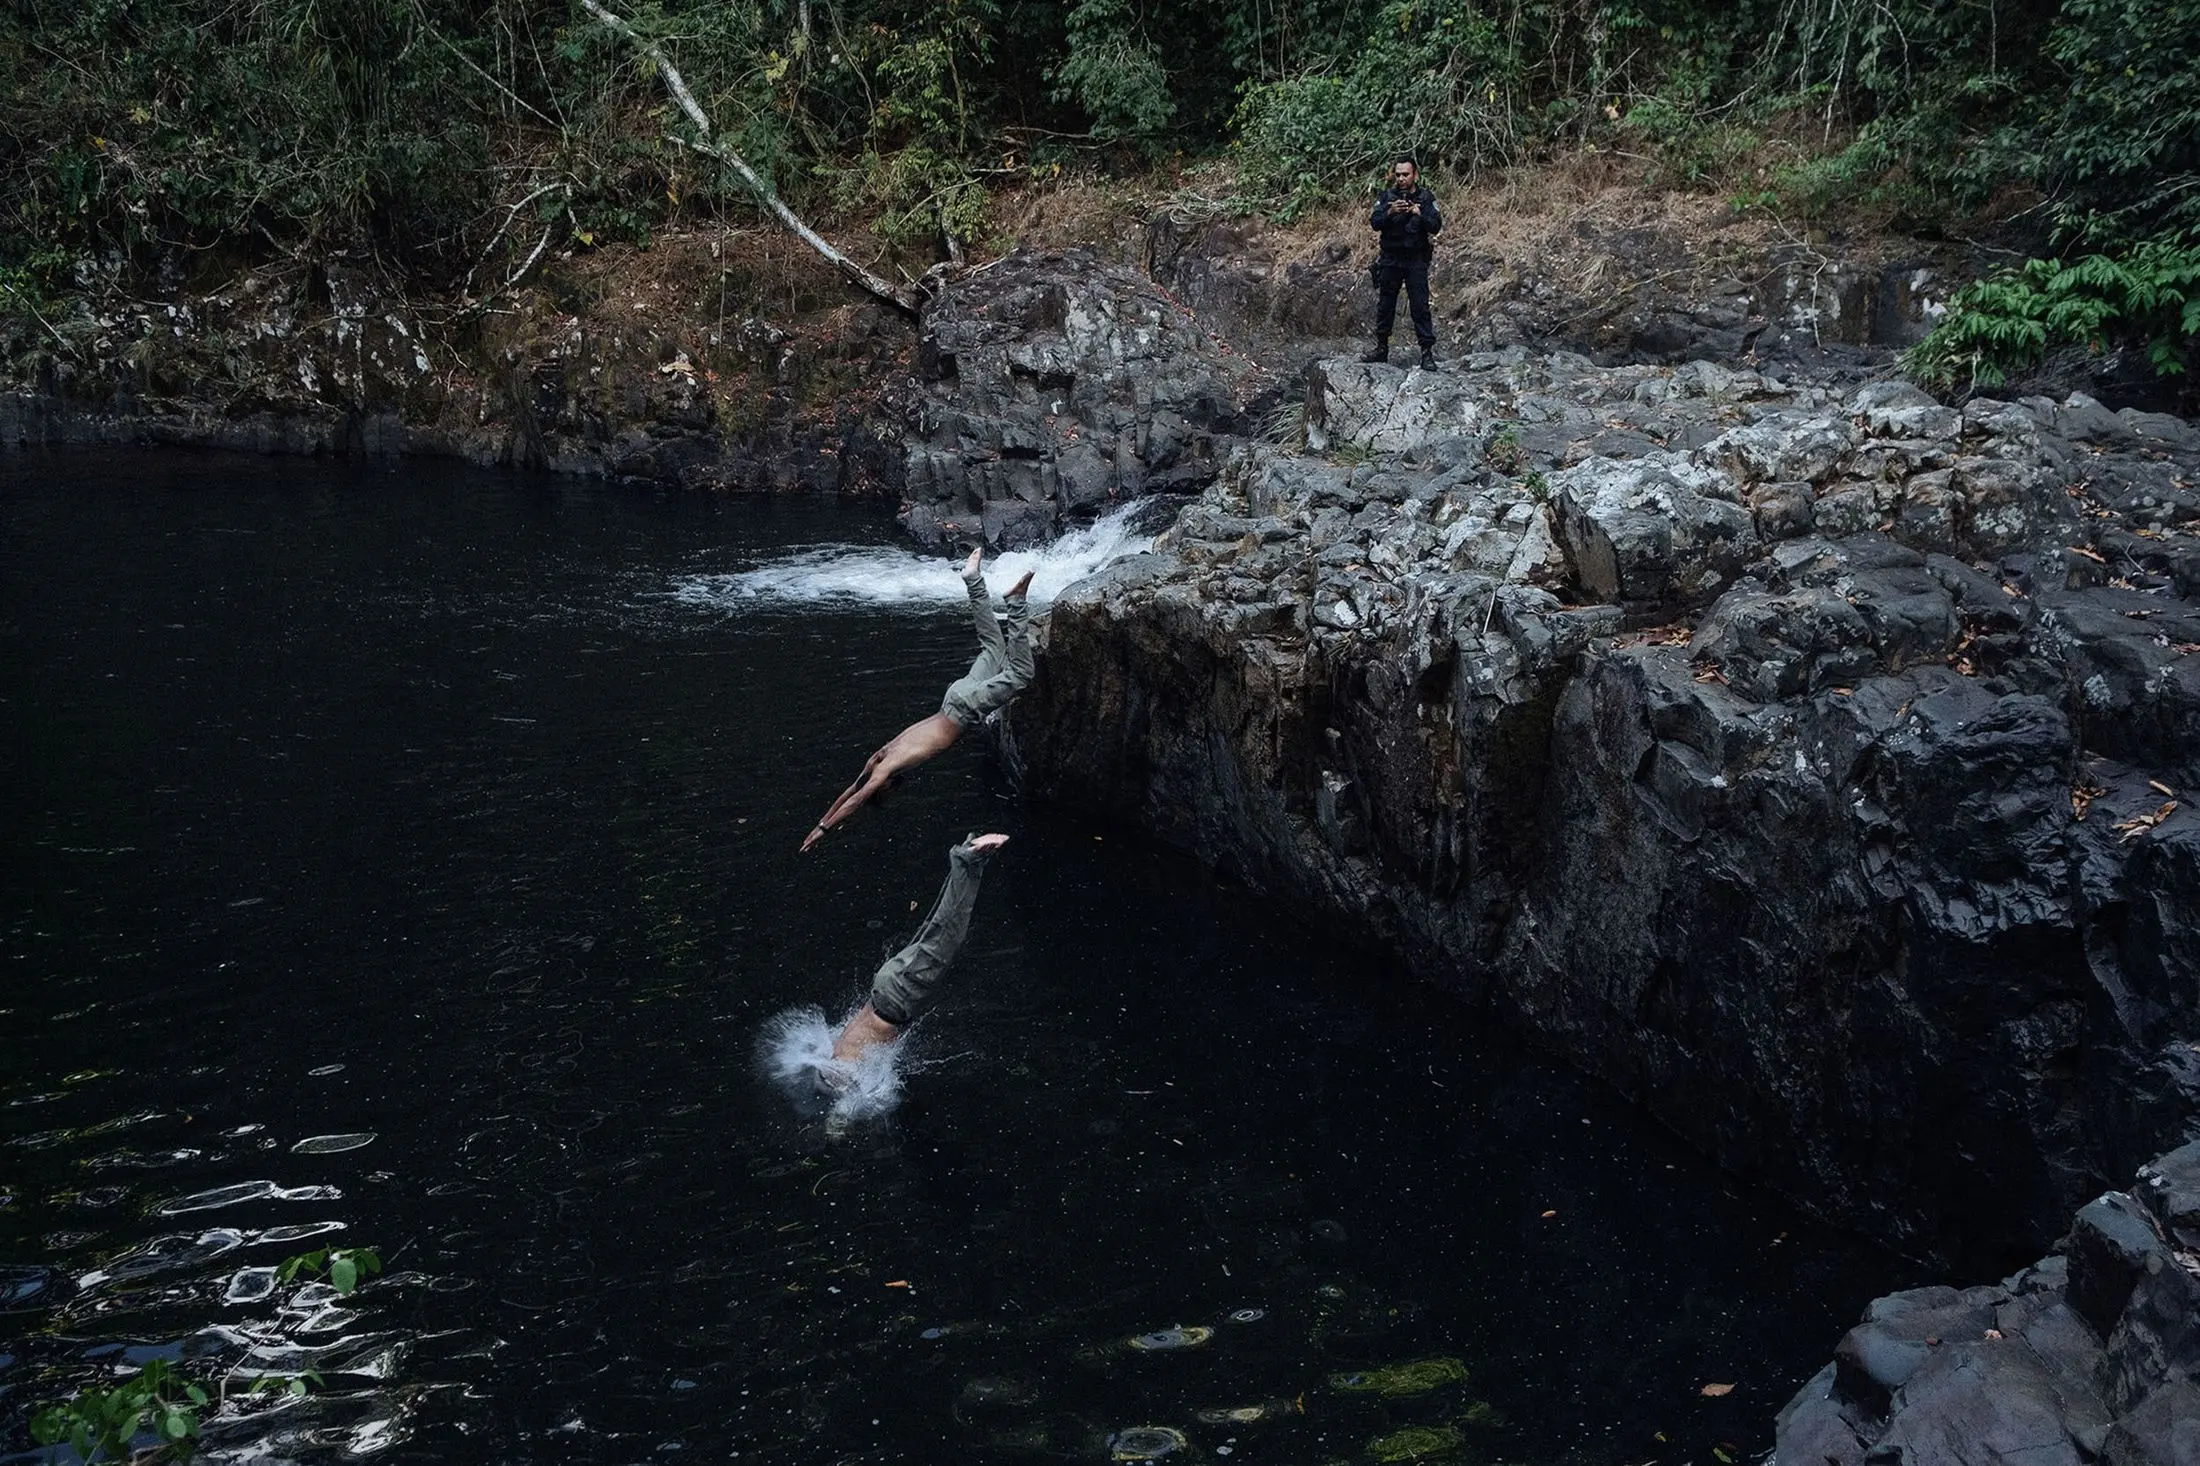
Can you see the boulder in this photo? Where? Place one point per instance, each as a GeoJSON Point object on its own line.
{"type": "Point", "coordinates": [1055, 385]}
{"type": "Point", "coordinates": [2094, 1361]}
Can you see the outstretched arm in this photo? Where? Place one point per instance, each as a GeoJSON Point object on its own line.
{"type": "Point", "coordinates": [851, 799]}
{"type": "Point", "coordinates": [910, 747]}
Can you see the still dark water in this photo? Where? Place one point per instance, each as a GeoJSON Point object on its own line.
{"type": "Point", "coordinates": [413, 808]}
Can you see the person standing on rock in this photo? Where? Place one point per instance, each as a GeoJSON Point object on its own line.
{"type": "Point", "coordinates": [1407, 220]}
{"type": "Point", "coordinates": [1002, 670]}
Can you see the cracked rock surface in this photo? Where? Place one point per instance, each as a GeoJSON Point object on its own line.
{"type": "Point", "coordinates": [1053, 386]}
{"type": "Point", "coordinates": [1805, 757]}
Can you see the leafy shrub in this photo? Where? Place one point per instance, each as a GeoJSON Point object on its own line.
{"type": "Point", "coordinates": [1436, 78]}
{"type": "Point", "coordinates": [1114, 73]}
{"type": "Point", "coordinates": [2010, 320]}
{"type": "Point", "coordinates": [2127, 133]}
{"type": "Point", "coordinates": [106, 1424]}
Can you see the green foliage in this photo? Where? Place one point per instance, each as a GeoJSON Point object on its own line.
{"type": "Point", "coordinates": [1114, 73]}
{"type": "Point", "coordinates": [457, 140]}
{"type": "Point", "coordinates": [106, 1424]}
{"type": "Point", "coordinates": [346, 1267]}
{"type": "Point", "coordinates": [2149, 295]}
{"type": "Point", "coordinates": [2126, 138]}
{"type": "Point", "coordinates": [916, 169]}
{"type": "Point", "coordinates": [1503, 449]}
{"type": "Point", "coordinates": [1436, 78]}
{"type": "Point", "coordinates": [294, 1386]}
{"type": "Point", "coordinates": [1415, 1443]}
{"type": "Point", "coordinates": [1415, 1377]}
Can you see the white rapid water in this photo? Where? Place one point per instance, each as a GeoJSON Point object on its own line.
{"type": "Point", "coordinates": [889, 577]}
{"type": "Point", "coordinates": [795, 1050]}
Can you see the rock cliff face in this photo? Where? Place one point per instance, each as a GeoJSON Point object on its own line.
{"type": "Point", "coordinates": [2092, 1354]}
{"type": "Point", "coordinates": [1805, 758]}
{"type": "Point", "coordinates": [1055, 385]}
{"type": "Point", "coordinates": [623, 366]}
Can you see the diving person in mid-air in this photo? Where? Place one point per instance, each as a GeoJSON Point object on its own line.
{"type": "Point", "coordinates": [907, 982]}
{"type": "Point", "coordinates": [1003, 669]}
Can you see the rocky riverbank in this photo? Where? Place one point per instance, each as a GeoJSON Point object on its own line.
{"type": "Point", "coordinates": [734, 358]}
{"type": "Point", "coordinates": [1806, 758]}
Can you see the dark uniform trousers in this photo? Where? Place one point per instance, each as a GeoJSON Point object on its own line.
{"type": "Point", "coordinates": [1390, 273]}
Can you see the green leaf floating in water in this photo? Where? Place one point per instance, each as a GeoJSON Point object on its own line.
{"type": "Point", "coordinates": [1415, 1442]}
{"type": "Point", "coordinates": [1416, 1377]}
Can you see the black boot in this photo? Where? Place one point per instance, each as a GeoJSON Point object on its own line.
{"type": "Point", "coordinates": [1428, 358]}
{"type": "Point", "coordinates": [1380, 351]}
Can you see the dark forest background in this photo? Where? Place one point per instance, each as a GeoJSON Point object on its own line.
{"type": "Point", "coordinates": [447, 140]}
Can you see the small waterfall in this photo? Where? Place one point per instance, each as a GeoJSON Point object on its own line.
{"type": "Point", "coordinates": [890, 577]}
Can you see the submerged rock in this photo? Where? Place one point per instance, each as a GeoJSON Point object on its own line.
{"type": "Point", "coordinates": [1415, 1377]}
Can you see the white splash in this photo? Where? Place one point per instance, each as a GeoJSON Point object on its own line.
{"type": "Point", "coordinates": [890, 577]}
{"type": "Point", "coordinates": [796, 1052]}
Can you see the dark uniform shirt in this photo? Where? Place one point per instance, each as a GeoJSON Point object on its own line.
{"type": "Point", "coordinates": [1406, 236]}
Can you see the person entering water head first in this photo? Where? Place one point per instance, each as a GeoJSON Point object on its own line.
{"type": "Point", "coordinates": [907, 983]}
{"type": "Point", "coordinates": [1003, 668]}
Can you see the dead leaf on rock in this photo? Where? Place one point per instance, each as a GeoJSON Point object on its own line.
{"type": "Point", "coordinates": [2161, 788]}
{"type": "Point", "coordinates": [2139, 824]}
{"type": "Point", "coordinates": [1674, 633]}
{"type": "Point", "coordinates": [2082, 797]}
{"type": "Point", "coordinates": [1710, 674]}
{"type": "Point", "coordinates": [1993, 1333]}
{"type": "Point", "coordinates": [1715, 1391]}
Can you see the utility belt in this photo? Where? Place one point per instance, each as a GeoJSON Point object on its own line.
{"type": "Point", "coordinates": [1383, 263]}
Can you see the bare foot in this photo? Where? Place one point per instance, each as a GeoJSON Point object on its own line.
{"type": "Point", "coordinates": [864, 1031]}
{"type": "Point", "coordinates": [970, 566]}
{"type": "Point", "coordinates": [1016, 591]}
{"type": "Point", "coordinates": [988, 842]}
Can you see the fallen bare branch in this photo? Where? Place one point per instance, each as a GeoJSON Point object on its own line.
{"type": "Point", "coordinates": [885, 290]}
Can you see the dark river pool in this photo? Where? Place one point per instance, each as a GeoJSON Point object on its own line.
{"type": "Point", "coordinates": [404, 858]}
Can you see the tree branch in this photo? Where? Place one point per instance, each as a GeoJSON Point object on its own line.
{"type": "Point", "coordinates": [894, 295]}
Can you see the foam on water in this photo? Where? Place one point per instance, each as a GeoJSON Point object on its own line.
{"type": "Point", "coordinates": [795, 1050]}
{"type": "Point", "coordinates": [893, 578]}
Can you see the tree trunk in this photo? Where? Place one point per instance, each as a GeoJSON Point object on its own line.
{"type": "Point", "coordinates": [896, 296]}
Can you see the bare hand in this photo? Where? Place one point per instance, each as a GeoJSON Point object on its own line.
{"type": "Point", "coordinates": [817, 833]}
